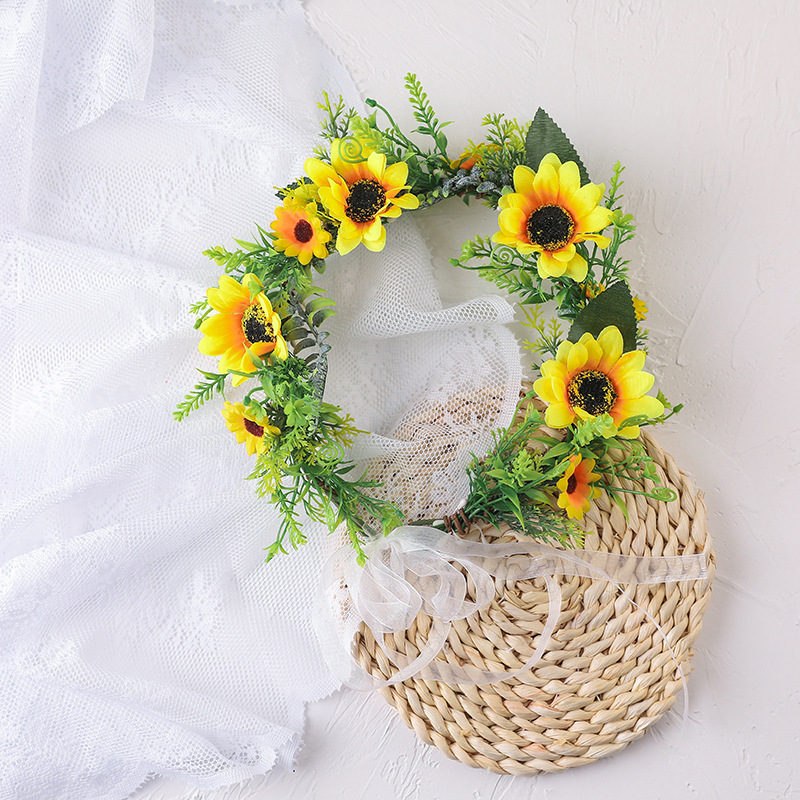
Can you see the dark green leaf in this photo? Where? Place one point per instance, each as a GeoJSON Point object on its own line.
{"type": "Point", "coordinates": [544, 137]}
{"type": "Point", "coordinates": [321, 316]}
{"type": "Point", "coordinates": [614, 306]}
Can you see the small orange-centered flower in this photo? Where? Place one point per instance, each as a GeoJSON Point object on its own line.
{"type": "Point", "coordinates": [360, 192]}
{"type": "Point", "coordinates": [549, 212]}
{"type": "Point", "coordinates": [593, 376]}
{"type": "Point", "coordinates": [300, 233]}
{"type": "Point", "coordinates": [245, 320]}
{"type": "Point", "coordinates": [256, 437]}
{"type": "Point", "coordinates": [576, 487]}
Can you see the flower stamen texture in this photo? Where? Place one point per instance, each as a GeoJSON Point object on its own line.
{"type": "Point", "coordinates": [303, 231]}
{"type": "Point", "coordinates": [592, 391]}
{"type": "Point", "coordinates": [255, 325]}
{"type": "Point", "coordinates": [253, 428]}
{"type": "Point", "coordinates": [367, 198]}
{"type": "Point", "coordinates": [551, 227]}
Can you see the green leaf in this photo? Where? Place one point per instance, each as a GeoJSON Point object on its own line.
{"type": "Point", "coordinates": [560, 450]}
{"type": "Point", "coordinates": [318, 303]}
{"type": "Point", "coordinates": [614, 306]}
{"type": "Point", "coordinates": [544, 137]}
{"type": "Point", "coordinates": [321, 316]}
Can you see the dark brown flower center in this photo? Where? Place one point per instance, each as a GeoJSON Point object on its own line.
{"type": "Point", "coordinates": [592, 391]}
{"type": "Point", "coordinates": [253, 428]}
{"type": "Point", "coordinates": [256, 326]}
{"type": "Point", "coordinates": [303, 231]}
{"type": "Point", "coordinates": [367, 198]}
{"type": "Point", "coordinates": [572, 483]}
{"type": "Point", "coordinates": [551, 227]}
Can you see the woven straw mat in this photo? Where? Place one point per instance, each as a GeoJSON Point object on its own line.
{"type": "Point", "coordinates": [607, 673]}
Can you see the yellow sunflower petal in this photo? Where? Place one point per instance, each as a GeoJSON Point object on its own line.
{"type": "Point", "coordinates": [545, 184]}
{"type": "Point", "coordinates": [595, 352]}
{"type": "Point", "coordinates": [552, 160]}
{"type": "Point", "coordinates": [396, 174]}
{"type": "Point", "coordinates": [578, 268]}
{"type": "Point", "coordinates": [558, 415]}
{"type": "Point", "coordinates": [543, 389]}
{"type": "Point", "coordinates": [628, 363]}
{"type": "Point", "coordinates": [212, 347]}
{"type": "Point", "coordinates": [577, 358]}
{"type": "Point", "coordinates": [345, 244]}
{"type": "Point", "coordinates": [610, 339]}
{"type": "Point", "coordinates": [377, 164]}
{"type": "Point", "coordinates": [548, 266]}
{"type": "Point", "coordinates": [635, 385]}
{"type": "Point", "coordinates": [222, 325]}
{"type": "Point", "coordinates": [376, 245]}
{"type": "Point", "coordinates": [372, 231]}
{"type": "Point", "coordinates": [649, 405]}
{"type": "Point", "coordinates": [319, 172]}
{"type": "Point", "coordinates": [601, 241]}
{"type": "Point", "coordinates": [565, 254]}
{"type": "Point", "coordinates": [585, 199]}
{"type": "Point", "coordinates": [512, 220]}
{"type": "Point", "coordinates": [392, 212]}
{"type": "Point", "coordinates": [594, 221]}
{"type": "Point", "coordinates": [407, 201]}
{"type": "Point", "coordinates": [569, 177]}
{"type": "Point", "coordinates": [523, 179]}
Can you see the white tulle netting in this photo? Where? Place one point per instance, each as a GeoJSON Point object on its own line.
{"type": "Point", "coordinates": [141, 631]}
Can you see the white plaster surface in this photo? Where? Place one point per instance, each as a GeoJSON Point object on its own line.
{"type": "Point", "coordinates": [701, 102]}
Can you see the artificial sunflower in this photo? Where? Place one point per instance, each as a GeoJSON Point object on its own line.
{"type": "Point", "coordinates": [299, 233]}
{"type": "Point", "coordinates": [360, 194]}
{"type": "Point", "coordinates": [245, 320]}
{"type": "Point", "coordinates": [576, 487]}
{"type": "Point", "coordinates": [256, 436]}
{"type": "Point", "coordinates": [593, 376]}
{"type": "Point", "coordinates": [549, 212]}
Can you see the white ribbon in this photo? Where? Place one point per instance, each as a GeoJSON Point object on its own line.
{"type": "Point", "coordinates": [411, 571]}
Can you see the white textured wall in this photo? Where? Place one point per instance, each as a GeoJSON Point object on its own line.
{"type": "Point", "coordinates": [701, 101]}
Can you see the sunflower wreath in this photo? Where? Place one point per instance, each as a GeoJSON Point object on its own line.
{"type": "Point", "coordinates": [557, 247]}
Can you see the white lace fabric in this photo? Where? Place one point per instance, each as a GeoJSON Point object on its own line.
{"type": "Point", "coordinates": [141, 630]}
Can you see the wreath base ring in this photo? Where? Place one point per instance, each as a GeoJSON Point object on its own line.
{"type": "Point", "coordinates": [607, 674]}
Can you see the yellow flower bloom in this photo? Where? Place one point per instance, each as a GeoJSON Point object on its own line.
{"type": "Point", "coordinates": [256, 437]}
{"type": "Point", "coordinates": [639, 308]}
{"type": "Point", "coordinates": [592, 377]}
{"type": "Point", "coordinates": [300, 233]}
{"type": "Point", "coordinates": [549, 212]}
{"type": "Point", "coordinates": [245, 319]}
{"type": "Point", "coordinates": [301, 196]}
{"type": "Point", "coordinates": [576, 487]}
{"type": "Point", "coordinates": [359, 194]}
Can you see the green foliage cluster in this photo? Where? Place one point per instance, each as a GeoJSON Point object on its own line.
{"type": "Point", "coordinates": [516, 483]}
{"type": "Point", "coordinates": [306, 467]}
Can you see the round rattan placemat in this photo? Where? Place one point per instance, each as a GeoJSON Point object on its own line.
{"type": "Point", "coordinates": [607, 673]}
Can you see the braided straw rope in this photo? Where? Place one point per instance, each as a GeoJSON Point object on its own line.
{"type": "Point", "coordinates": [607, 673]}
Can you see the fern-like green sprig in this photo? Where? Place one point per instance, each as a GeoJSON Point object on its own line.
{"type": "Point", "coordinates": [203, 391]}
